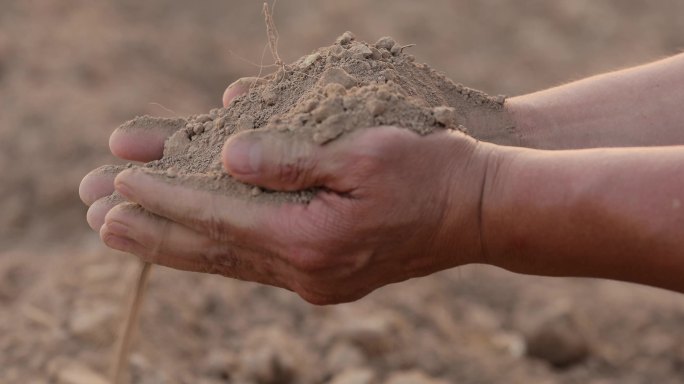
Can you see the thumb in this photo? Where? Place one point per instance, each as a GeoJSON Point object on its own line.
{"type": "Point", "coordinates": [282, 161]}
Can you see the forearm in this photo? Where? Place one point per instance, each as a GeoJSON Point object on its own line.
{"type": "Point", "coordinates": [609, 213]}
{"type": "Point", "coordinates": [641, 106]}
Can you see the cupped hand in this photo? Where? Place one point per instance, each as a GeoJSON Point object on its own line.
{"type": "Point", "coordinates": [133, 145]}
{"type": "Point", "coordinates": [391, 205]}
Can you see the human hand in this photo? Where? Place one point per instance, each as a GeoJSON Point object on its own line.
{"type": "Point", "coordinates": [392, 205]}
{"type": "Point", "coordinates": [134, 145]}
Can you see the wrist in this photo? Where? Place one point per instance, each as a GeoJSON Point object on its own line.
{"type": "Point", "coordinates": [504, 196]}
{"type": "Point", "coordinates": [474, 174]}
{"type": "Point", "coordinates": [525, 115]}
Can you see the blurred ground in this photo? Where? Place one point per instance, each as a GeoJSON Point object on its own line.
{"type": "Point", "coordinates": [72, 70]}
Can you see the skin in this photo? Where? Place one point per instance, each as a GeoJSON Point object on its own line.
{"type": "Point", "coordinates": [613, 213]}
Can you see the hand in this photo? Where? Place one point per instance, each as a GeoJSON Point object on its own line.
{"type": "Point", "coordinates": [134, 145]}
{"type": "Point", "coordinates": [392, 205]}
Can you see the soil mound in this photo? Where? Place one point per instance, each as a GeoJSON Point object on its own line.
{"type": "Point", "coordinates": [347, 86]}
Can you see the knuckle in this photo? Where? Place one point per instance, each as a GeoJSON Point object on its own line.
{"type": "Point", "coordinates": [293, 170]}
{"type": "Point", "coordinates": [308, 261]}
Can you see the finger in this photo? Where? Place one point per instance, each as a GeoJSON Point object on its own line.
{"type": "Point", "coordinates": [142, 139]}
{"type": "Point", "coordinates": [129, 228]}
{"type": "Point", "coordinates": [98, 210]}
{"type": "Point", "coordinates": [238, 88]}
{"type": "Point", "coordinates": [284, 161]}
{"type": "Point", "coordinates": [223, 217]}
{"type": "Point", "coordinates": [98, 183]}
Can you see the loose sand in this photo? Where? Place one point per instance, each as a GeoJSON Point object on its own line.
{"type": "Point", "coordinates": [335, 90]}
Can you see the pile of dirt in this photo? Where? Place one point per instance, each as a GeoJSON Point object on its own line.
{"type": "Point", "coordinates": [335, 90]}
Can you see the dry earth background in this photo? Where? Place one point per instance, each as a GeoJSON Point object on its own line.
{"type": "Point", "coordinates": [72, 70]}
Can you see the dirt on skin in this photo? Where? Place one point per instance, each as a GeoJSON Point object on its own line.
{"type": "Point", "coordinates": [335, 90]}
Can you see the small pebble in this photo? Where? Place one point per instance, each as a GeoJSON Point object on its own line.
{"type": "Point", "coordinates": [376, 107]}
{"type": "Point", "coordinates": [309, 105]}
{"type": "Point", "coordinates": [375, 53]}
{"type": "Point", "coordinates": [309, 60]}
{"type": "Point", "coordinates": [346, 38]}
{"type": "Point", "coordinates": [385, 42]}
{"type": "Point", "coordinates": [337, 75]}
{"type": "Point", "coordinates": [500, 99]}
{"type": "Point", "coordinates": [337, 51]}
{"type": "Point", "coordinates": [219, 123]}
{"type": "Point", "coordinates": [203, 118]}
{"type": "Point", "coordinates": [360, 51]}
{"type": "Point", "coordinates": [334, 89]}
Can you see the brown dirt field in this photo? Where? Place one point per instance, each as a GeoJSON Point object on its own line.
{"type": "Point", "coordinates": [72, 70]}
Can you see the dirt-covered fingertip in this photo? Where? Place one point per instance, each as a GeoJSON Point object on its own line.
{"type": "Point", "coordinates": [242, 154]}
{"type": "Point", "coordinates": [142, 139]}
{"type": "Point", "coordinates": [99, 209]}
{"type": "Point", "coordinates": [98, 183]}
{"type": "Point", "coordinates": [239, 87]}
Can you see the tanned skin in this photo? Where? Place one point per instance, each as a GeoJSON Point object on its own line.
{"type": "Point", "coordinates": [575, 201]}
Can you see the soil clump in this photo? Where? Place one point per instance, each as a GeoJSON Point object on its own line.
{"type": "Point", "coordinates": [335, 90]}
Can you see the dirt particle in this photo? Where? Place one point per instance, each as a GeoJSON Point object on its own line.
{"type": "Point", "coordinates": [269, 96]}
{"type": "Point", "coordinates": [375, 54]}
{"type": "Point", "coordinates": [327, 108]}
{"type": "Point", "coordinates": [246, 122]}
{"type": "Point", "coordinates": [377, 107]}
{"type": "Point", "coordinates": [219, 123]}
{"type": "Point", "coordinates": [172, 172]}
{"type": "Point", "coordinates": [360, 51]}
{"type": "Point", "coordinates": [396, 50]}
{"type": "Point", "coordinates": [157, 123]}
{"type": "Point", "coordinates": [201, 119]}
{"type": "Point", "coordinates": [307, 106]}
{"type": "Point", "coordinates": [386, 43]}
{"type": "Point", "coordinates": [445, 116]}
{"type": "Point", "coordinates": [337, 75]}
{"type": "Point", "coordinates": [309, 60]}
{"type": "Point", "coordinates": [334, 89]}
{"type": "Point", "coordinates": [337, 51]}
{"type": "Point", "coordinates": [345, 38]}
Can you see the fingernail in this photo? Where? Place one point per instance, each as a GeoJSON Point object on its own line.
{"type": "Point", "coordinates": [117, 228]}
{"type": "Point", "coordinates": [243, 156]}
{"type": "Point", "coordinates": [119, 243]}
{"type": "Point", "coordinates": [123, 188]}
